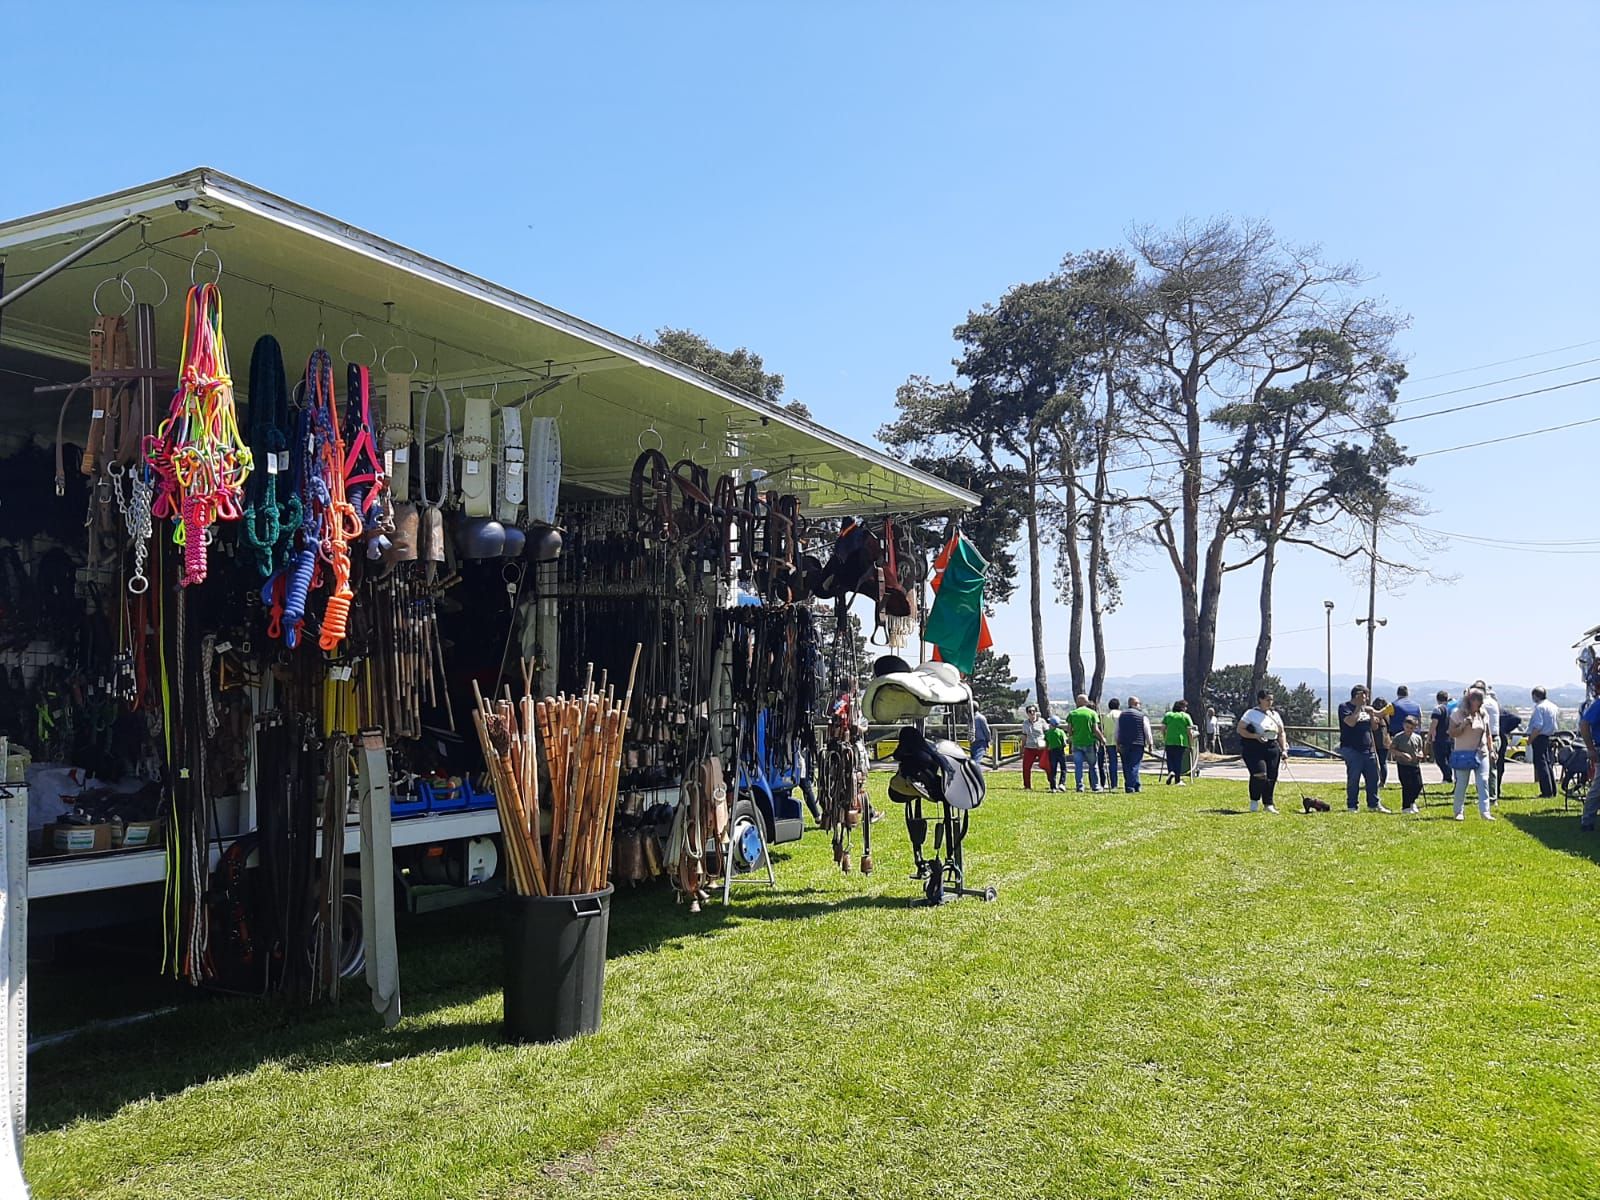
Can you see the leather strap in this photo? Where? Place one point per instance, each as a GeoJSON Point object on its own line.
{"type": "Point", "coordinates": [544, 468]}
{"type": "Point", "coordinates": [447, 462]}
{"type": "Point", "coordinates": [510, 480]}
{"type": "Point", "coordinates": [473, 450]}
{"type": "Point", "coordinates": [395, 438]}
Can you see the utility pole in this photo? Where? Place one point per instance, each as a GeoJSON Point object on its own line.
{"type": "Point", "coordinates": [1372, 620]}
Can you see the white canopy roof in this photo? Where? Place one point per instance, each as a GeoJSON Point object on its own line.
{"type": "Point", "coordinates": [295, 272]}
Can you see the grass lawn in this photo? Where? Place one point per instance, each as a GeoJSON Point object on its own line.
{"type": "Point", "coordinates": [1170, 998]}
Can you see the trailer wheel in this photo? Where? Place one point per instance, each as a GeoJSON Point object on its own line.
{"type": "Point", "coordinates": [352, 936]}
{"type": "Point", "coordinates": [747, 833]}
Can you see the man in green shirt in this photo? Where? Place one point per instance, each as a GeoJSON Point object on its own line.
{"type": "Point", "coordinates": [1176, 727]}
{"type": "Point", "coordinates": [1086, 741]}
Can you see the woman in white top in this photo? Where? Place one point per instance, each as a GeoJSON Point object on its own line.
{"type": "Point", "coordinates": [1264, 743]}
{"type": "Point", "coordinates": [1472, 738]}
{"type": "Point", "coordinates": [1033, 750]}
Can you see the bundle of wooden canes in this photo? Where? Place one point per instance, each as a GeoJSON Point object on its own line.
{"type": "Point", "coordinates": [582, 740]}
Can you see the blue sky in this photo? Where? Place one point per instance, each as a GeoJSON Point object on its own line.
{"type": "Point", "coordinates": [835, 185]}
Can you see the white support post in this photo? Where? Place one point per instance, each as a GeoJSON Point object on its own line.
{"type": "Point", "coordinates": [14, 962]}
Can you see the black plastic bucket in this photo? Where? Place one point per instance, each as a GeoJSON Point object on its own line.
{"type": "Point", "coordinates": [555, 964]}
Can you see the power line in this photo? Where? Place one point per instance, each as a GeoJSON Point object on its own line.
{"type": "Point", "coordinates": [1473, 387]}
{"type": "Point", "coordinates": [1249, 637]}
{"type": "Point", "coordinates": [1510, 437]}
{"type": "Point", "coordinates": [1324, 436]}
{"type": "Point", "coordinates": [1514, 541]}
{"type": "Point", "coordinates": [1440, 412]}
{"type": "Point", "coordinates": [1503, 361]}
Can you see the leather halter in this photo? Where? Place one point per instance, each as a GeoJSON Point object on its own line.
{"type": "Point", "coordinates": [652, 514]}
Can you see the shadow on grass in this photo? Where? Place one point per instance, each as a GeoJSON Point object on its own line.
{"type": "Point", "coordinates": [1558, 831]}
{"type": "Point", "coordinates": [448, 959]}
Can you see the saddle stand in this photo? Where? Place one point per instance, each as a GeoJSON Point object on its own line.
{"type": "Point", "coordinates": [941, 772]}
{"type": "Point", "coordinates": [944, 878]}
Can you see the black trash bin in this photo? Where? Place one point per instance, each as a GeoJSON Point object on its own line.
{"type": "Point", "coordinates": [555, 964]}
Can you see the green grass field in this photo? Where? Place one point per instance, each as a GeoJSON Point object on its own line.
{"type": "Point", "coordinates": [1170, 998]}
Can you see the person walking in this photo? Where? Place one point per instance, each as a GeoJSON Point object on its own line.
{"type": "Point", "coordinates": [1033, 750]}
{"type": "Point", "coordinates": [1541, 748]}
{"type": "Point", "coordinates": [1472, 750]}
{"type": "Point", "coordinates": [1213, 732]}
{"type": "Point", "coordinates": [1055, 744]}
{"type": "Point", "coordinates": [1358, 725]}
{"type": "Point", "coordinates": [1408, 750]}
{"type": "Point", "coordinates": [981, 737]}
{"type": "Point", "coordinates": [1262, 743]}
{"type": "Point", "coordinates": [1086, 743]}
{"type": "Point", "coordinates": [1108, 744]}
{"type": "Point", "coordinates": [1440, 732]}
{"type": "Point", "coordinates": [1133, 738]}
{"type": "Point", "coordinates": [1176, 727]}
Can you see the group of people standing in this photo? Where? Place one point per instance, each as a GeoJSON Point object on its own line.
{"type": "Point", "coordinates": [1097, 743]}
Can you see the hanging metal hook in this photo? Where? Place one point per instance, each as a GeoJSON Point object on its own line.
{"type": "Point", "coordinates": [194, 265]}
{"type": "Point", "coordinates": [146, 266]}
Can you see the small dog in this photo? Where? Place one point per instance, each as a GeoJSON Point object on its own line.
{"type": "Point", "coordinates": [1312, 804]}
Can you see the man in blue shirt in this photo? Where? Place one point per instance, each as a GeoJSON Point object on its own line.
{"type": "Point", "coordinates": [1404, 706]}
{"type": "Point", "coordinates": [1541, 728]}
{"type": "Point", "coordinates": [1586, 727]}
{"type": "Point", "coordinates": [1357, 724]}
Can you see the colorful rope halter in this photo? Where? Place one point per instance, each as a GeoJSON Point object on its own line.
{"type": "Point", "coordinates": [200, 461]}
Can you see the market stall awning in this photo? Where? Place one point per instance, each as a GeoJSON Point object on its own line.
{"type": "Point", "coordinates": [309, 278]}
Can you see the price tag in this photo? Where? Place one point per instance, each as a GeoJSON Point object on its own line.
{"type": "Point", "coordinates": [472, 466]}
{"type": "Point", "coordinates": [272, 464]}
{"type": "Point", "coordinates": [283, 460]}
{"type": "Point", "coordinates": [515, 468]}
{"type": "Point", "coordinates": [402, 454]}
{"type": "Point", "coordinates": [224, 647]}
{"type": "Point", "coordinates": [388, 462]}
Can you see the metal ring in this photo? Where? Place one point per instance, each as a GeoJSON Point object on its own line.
{"type": "Point", "coordinates": [122, 282]}
{"type": "Point", "coordinates": [195, 266]}
{"type": "Point", "coordinates": [359, 336]}
{"type": "Point", "coordinates": [165, 290]}
{"type": "Point", "coordinates": [384, 361]}
{"type": "Point", "coordinates": [144, 585]}
{"type": "Point", "coordinates": [660, 441]}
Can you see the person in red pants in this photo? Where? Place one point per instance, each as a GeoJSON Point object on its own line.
{"type": "Point", "coordinates": [1033, 748]}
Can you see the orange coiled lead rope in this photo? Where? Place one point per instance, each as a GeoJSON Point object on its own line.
{"type": "Point", "coordinates": [340, 520]}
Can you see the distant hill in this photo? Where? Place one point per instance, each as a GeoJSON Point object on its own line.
{"type": "Point", "coordinates": [1160, 690]}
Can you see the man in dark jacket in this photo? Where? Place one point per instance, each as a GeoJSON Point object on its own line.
{"type": "Point", "coordinates": [1441, 736]}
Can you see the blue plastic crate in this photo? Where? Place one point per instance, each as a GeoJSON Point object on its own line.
{"type": "Point", "coordinates": [479, 797]}
{"type": "Point", "coordinates": [411, 804]}
{"type": "Point", "coordinates": [444, 799]}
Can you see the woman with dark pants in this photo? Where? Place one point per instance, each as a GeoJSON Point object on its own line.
{"type": "Point", "coordinates": [1262, 743]}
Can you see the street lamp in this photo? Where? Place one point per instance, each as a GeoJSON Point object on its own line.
{"type": "Point", "coordinates": [1372, 624]}
{"type": "Point", "coordinates": [1327, 713]}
